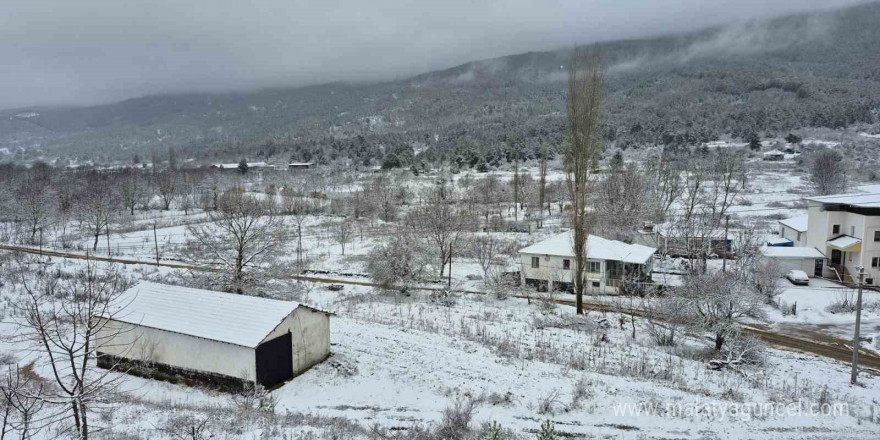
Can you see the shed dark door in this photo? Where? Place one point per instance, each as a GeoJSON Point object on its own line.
{"type": "Point", "coordinates": [275, 361]}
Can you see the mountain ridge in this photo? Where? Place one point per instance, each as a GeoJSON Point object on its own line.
{"type": "Point", "coordinates": [759, 78]}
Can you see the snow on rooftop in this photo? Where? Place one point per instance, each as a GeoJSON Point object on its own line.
{"type": "Point", "coordinates": [861, 200]}
{"type": "Point", "coordinates": [797, 223]}
{"type": "Point", "coordinates": [779, 240]}
{"type": "Point", "coordinates": [844, 241]}
{"type": "Point", "coordinates": [597, 248]}
{"type": "Point", "coordinates": [791, 252]}
{"type": "Point", "coordinates": [225, 317]}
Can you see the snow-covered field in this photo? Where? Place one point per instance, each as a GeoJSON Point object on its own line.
{"type": "Point", "coordinates": [399, 361]}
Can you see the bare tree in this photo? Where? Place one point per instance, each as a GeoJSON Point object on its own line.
{"type": "Point", "coordinates": [542, 184]}
{"type": "Point", "coordinates": [486, 248]}
{"type": "Point", "coordinates": [664, 317]}
{"type": "Point", "coordinates": [23, 402]}
{"type": "Point", "coordinates": [383, 189]}
{"type": "Point", "coordinates": [241, 234]}
{"type": "Point", "coordinates": [827, 172]}
{"type": "Point", "coordinates": [717, 302]}
{"type": "Point", "coordinates": [33, 201]}
{"type": "Point", "coordinates": [584, 107]}
{"type": "Point", "coordinates": [343, 232]}
{"type": "Point", "coordinates": [621, 200]}
{"type": "Point", "coordinates": [66, 322]}
{"type": "Point", "coordinates": [94, 206]}
{"type": "Point", "coordinates": [132, 190]}
{"type": "Point", "coordinates": [167, 183]}
{"type": "Point", "coordinates": [664, 175]}
{"type": "Point", "coordinates": [295, 202]}
{"type": "Point", "coordinates": [440, 222]}
{"type": "Point", "coordinates": [401, 263]}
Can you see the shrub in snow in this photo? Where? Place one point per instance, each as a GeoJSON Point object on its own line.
{"type": "Point", "coordinates": [444, 298]}
{"type": "Point", "coordinates": [456, 423]}
{"type": "Point", "coordinates": [548, 403]}
{"type": "Point", "coordinates": [581, 391]}
{"type": "Point", "coordinates": [493, 431]}
{"type": "Point", "coordinates": [547, 432]}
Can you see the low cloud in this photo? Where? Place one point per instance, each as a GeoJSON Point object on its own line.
{"type": "Point", "coordinates": [95, 51]}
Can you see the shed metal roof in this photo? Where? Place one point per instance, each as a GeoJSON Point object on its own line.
{"type": "Point", "coordinates": [225, 317]}
{"type": "Point", "coordinates": [797, 223]}
{"type": "Point", "coordinates": [795, 252]}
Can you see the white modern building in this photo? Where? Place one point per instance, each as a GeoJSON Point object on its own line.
{"type": "Point", "coordinates": [549, 263]}
{"type": "Point", "coordinates": [212, 337]}
{"type": "Point", "coordinates": [846, 228]}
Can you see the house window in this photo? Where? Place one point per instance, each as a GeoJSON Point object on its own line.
{"type": "Point", "coordinates": [594, 266]}
{"type": "Point", "coordinates": [536, 262]}
{"type": "Point", "coordinates": [876, 235]}
{"type": "Point", "coordinates": [566, 264]}
{"type": "Point", "coordinates": [875, 262]}
{"type": "Point", "coordinates": [595, 284]}
{"type": "Point", "coordinates": [835, 229]}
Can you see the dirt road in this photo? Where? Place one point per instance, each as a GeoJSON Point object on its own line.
{"type": "Point", "coordinates": [817, 343]}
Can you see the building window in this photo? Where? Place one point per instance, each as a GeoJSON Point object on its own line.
{"type": "Point", "coordinates": [875, 262]}
{"type": "Point", "coordinates": [594, 266]}
{"type": "Point", "coordinates": [596, 284]}
{"type": "Point", "coordinates": [566, 264]}
{"type": "Point", "coordinates": [536, 262]}
{"type": "Point", "coordinates": [835, 229]}
{"type": "Point", "coordinates": [876, 235]}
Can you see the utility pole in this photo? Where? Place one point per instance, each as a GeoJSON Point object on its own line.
{"type": "Point", "coordinates": [108, 239]}
{"type": "Point", "coordinates": [857, 342]}
{"type": "Point", "coordinates": [449, 284]}
{"type": "Point", "coordinates": [156, 241]}
{"type": "Point", "coordinates": [41, 242]}
{"type": "Point", "coordinates": [726, 246]}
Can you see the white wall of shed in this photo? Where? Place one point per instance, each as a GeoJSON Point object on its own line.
{"type": "Point", "coordinates": [135, 342]}
{"type": "Point", "coordinates": [310, 337]}
{"type": "Point", "coordinates": [808, 265]}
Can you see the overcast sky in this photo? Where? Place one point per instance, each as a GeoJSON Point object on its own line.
{"type": "Point", "coordinates": [96, 51]}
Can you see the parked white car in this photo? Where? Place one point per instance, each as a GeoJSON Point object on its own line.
{"type": "Point", "coordinates": [798, 277]}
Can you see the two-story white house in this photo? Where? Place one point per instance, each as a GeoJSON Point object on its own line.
{"type": "Point", "coordinates": [846, 228]}
{"type": "Point", "coordinates": [550, 263]}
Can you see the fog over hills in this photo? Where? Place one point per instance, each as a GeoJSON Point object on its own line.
{"type": "Point", "coordinates": [761, 77]}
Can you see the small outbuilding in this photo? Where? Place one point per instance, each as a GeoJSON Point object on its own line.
{"type": "Point", "coordinates": [207, 337]}
{"type": "Point", "coordinates": [804, 258]}
{"type": "Point", "coordinates": [292, 166]}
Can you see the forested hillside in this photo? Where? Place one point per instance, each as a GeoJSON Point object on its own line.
{"type": "Point", "coordinates": [758, 79]}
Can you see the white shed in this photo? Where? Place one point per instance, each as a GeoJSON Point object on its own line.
{"type": "Point", "coordinates": [805, 258]}
{"type": "Point", "coordinates": [213, 337]}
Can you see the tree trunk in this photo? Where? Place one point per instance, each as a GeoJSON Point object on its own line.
{"type": "Point", "coordinates": [719, 341]}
